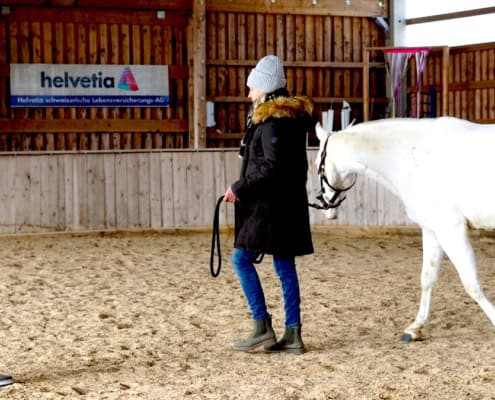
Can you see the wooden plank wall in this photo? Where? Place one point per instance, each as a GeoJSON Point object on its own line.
{"type": "Point", "coordinates": [472, 88]}
{"type": "Point", "coordinates": [322, 44]}
{"type": "Point", "coordinates": [323, 57]}
{"type": "Point", "coordinates": [471, 82]}
{"type": "Point", "coordinates": [94, 36]}
{"type": "Point", "coordinates": [81, 191]}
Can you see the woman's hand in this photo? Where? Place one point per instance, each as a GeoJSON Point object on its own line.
{"type": "Point", "coordinates": [229, 196]}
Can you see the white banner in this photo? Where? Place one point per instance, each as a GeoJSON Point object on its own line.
{"type": "Point", "coordinates": [75, 85]}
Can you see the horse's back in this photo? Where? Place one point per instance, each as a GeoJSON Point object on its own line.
{"type": "Point", "coordinates": [446, 160]}
{"type": "Point", "coordinates": [437, 137]}
{"type": "Point", "coordinates": [422, 126]}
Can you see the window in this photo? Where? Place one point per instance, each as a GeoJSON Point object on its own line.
{"type": "Point", "coordinates": [437, 23]}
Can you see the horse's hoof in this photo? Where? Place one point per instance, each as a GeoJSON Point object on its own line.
{"type": "Point", "coordinates": [406, 338]}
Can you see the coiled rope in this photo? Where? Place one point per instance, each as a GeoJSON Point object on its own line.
{"type": "Point", "coordinates": [215, 240]}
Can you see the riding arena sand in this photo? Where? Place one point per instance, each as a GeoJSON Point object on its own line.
{"type": "Point", "coordinates": [138, 316]}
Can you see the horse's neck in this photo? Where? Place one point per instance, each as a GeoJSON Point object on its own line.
{"type": "Point", "coordinates": [371, 155]}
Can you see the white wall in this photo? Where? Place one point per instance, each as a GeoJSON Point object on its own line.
{"type": "Point", "coordinates": [455, 32]}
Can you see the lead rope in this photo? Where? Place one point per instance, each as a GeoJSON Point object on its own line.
{"type": "Point", "coordinates": [215, 241]}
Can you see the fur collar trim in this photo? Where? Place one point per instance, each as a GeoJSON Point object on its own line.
{"type": "Point", "coordinates": [283, 107]}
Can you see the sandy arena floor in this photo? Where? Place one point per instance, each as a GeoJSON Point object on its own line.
{"type": "Point", "coordinates": [131, 316]}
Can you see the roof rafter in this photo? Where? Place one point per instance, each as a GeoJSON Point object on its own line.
{"type": "Point", "coordinates": [452, 15]}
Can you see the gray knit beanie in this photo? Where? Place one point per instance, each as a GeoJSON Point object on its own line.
{"type": "Point", "coordinates": [268, 75]}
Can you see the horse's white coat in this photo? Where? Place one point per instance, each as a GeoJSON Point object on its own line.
{"type": "Point", "coordinates": [442, 170]}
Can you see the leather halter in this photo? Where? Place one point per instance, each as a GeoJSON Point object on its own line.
{"type": "Point", "coordinates": [335, 201]}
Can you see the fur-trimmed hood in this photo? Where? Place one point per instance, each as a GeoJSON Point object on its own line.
{"type": "Point", "coordinates": [283, 107]}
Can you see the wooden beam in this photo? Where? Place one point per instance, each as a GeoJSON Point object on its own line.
{"type": "Point", "coordinates": [484, 121]}
{"type": "Point", "coordinates": [445, 81]}
{"type": "Point", "coordinates": [184, 5]}
{"type": "Point", "coordinates": [24, 3]}
{"type": "Point", "coordinates": [355, 8]}
{"type": "Point", "coordinates": [366, 85]}
{"type": "Point", "coordinates": [431, 48]}
{"type": "Point", "coordinates": [244, 99]}
{"type": "Point", "coordinates": [472, 85]}
{"type": "Point", "coordinates": [225, 136]}
{"type": "Point", "coordinates": [452, 15]}
{"type": "Point", "coordinates": [471, 47]}
{"type": "Point", "coordinates": [460, 86]}
{"type": "Point", "coordinates": [174, 71]}
{"type": "Point", "coordinates": [197, 85]}
{"type": "Point", "coordinates": [295, 64]}
{"type": "Point", "coordinates": [97, 16]}
{"type": "Point", "coordinates": [93, 125]}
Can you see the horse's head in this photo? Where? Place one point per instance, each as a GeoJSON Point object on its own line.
{"type": "Point", "coordinates": [332, 180]}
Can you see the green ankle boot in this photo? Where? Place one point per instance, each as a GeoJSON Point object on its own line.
{"type": "Point", "coordinates": [6, 380]}
{"type": "Point", "coordinates": [291, 342]}
{"type": "Point", "coordinates": [262, 335]}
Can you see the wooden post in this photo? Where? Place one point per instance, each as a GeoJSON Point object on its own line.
{"type": "Point", "coordinates": [197, 135]}
{"type": "Point", "coordinates": [445, 81]}
{"type": "Point", "coordinates": [366, 85]}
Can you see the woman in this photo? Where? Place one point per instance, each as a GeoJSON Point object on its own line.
{"type": "Point", "coordinates": [271, 202]}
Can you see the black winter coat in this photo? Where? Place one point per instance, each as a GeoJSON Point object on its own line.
{"type": "Point", "coordinates": [272, 214]}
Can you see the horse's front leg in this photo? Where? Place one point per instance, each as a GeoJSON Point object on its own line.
{"type": "Point", "coordinates": [432, 259]}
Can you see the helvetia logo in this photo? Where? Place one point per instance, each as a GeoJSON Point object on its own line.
{"type": "Point", "coordinates": [67, 80]}
{"type": "Point", "coordinates": [127, 81]}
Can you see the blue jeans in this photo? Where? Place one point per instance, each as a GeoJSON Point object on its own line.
{"type": "Point", "coordinates": [242, 261]}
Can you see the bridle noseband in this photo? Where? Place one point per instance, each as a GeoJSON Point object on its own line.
{"type": "Point", "coordinates": [334, 202]}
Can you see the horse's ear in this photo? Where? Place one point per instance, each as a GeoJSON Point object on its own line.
{"type": "Point", "coordinates": [321, 133]}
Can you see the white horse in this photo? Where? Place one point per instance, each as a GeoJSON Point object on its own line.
{"type": "Point", "coordinates": [441, 169]}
